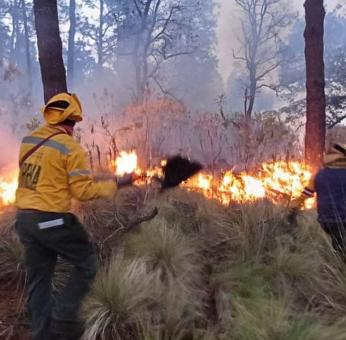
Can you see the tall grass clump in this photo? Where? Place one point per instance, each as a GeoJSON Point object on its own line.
{"type": "Point", "coordinates": [165, 249]}
{"type": "Point", "coordinates": [268, 319]}
{"type": "Point", "coordinates": [173, 257]}
{"type": "Point", "coordinates": [200, 270]}
{"type": "Point", "coordinates": [176, 316]}
{"type": "Point", "coordinates": [11, 254]}
{"type": "Point", "coordinates": [123, 292]}
{"type": "Point", "coordinates": [256, 227]}
{"type": "Point", "coordinates": [273, 318]}
{"type": "Point", "coordinates": [329, 286]}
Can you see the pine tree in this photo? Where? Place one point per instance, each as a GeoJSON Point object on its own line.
{"type": "Point", "coordinates": [315, 83]}
{"type": "Point", "coordinates": [49, 48]}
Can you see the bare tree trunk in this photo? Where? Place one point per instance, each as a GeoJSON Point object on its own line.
{"type": "Point", "coordinates": [71, 44]}
{"type": "Point", "coordinates": [315, 83]}
{"type": "Point", "coordinates": [15, 32]}
{"type": "Point", "coordinates": [138, 59]}
{"type": "Point", "coordinates": [140, 51]}
{"type": "Point", "coordinates": [27, 45]}
{"type": "Point", "coordinates": [141, 72]}
{"type": "Point", "coordinates": [49, 48]}
{"type": "Point", "coordinates": [252, 94]}
{"type": "Point", "coordinates": [100, 35]}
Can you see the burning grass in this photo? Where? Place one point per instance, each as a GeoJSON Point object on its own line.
{"type": "Point", "coordinates": [278, 181]}
{"type": "Point", "coordinates": [8, 186]}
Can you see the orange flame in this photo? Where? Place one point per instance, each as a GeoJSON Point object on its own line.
{"type": "Point", "coordinates": [126, 163]}
{"type": "Point", "coordinates": [8, 189]}
{"type": "Point", "coordinates": [278, 181]}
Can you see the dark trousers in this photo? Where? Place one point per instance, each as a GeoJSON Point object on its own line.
{"type": "Point", "coordinates": [62, 236]}
{"type": "Point", "coordinates": [337, 232]}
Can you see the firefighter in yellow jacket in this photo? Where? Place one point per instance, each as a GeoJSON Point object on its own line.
{"type": "Point", "coordinates": [53, 170]}
{"type": "Point", "coordinates": [329, 184]}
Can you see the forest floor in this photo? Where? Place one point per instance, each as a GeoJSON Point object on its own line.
{"type": "Point", "coordinates": [195, 271]}
{"type": "Point", "coordinates": [13, 323]}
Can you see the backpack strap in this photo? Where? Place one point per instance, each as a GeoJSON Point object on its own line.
{"type": "Point", "coordinates": [36, 147]}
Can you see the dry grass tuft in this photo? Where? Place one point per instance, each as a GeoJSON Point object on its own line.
{"type": "Point", "coordinates": [11, 254]}
{"type": "Point", "coordinates": [203, 271]}
{"type": "Point", "coordinates": [165, 250]}
{"type": "Point", "coordinates": [120, 296]}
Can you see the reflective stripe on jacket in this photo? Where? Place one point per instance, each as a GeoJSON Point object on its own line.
{"type": "Point", "coordinates": [55, 173]}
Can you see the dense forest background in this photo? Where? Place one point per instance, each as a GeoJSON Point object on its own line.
{"type": "Point", "coordinates": [137, 64]}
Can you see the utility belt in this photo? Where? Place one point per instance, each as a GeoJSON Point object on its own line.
{"type": "Point", "coordinates": [45, 219]}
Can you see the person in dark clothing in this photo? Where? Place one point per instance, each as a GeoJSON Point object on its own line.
{"type": "Point", "coordinates": [55, 319]}
{"type": "Point", "coordinates": [329, 184]}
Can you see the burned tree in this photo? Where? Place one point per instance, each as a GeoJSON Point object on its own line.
{"type": "Point", "coordinates": [49, 48]}
{"type": "Point", "coordinates": [315, 83]}
{"type": "Point", "coordinates": [259, 52]}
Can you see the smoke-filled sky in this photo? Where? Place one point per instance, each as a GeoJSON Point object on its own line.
{"type": "Point", "coordinates": [228, 25]}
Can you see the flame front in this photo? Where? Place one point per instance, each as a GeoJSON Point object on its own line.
{"type": "Point", "coordinates": [8, 189]}
{"type": "Point", "coordinates": [126, 163]}
{"type": "Point", "coordinates": [278, 181]}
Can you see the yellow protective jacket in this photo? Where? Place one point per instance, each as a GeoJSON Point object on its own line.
{"type": "Point", "coordinates": [55, 173]}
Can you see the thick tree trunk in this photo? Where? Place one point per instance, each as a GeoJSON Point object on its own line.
{"type": "Point", "coordinates": [140, 61]}
{"type": "Point", "coordinates": [15, 32]}
{"type": "Point", "coordinates": [71, 44]}
{"type": "Point", "coordinates": [49, 48]}
{"type": "Point", "coordinates": [315, 98]}
{"type": "Point", "coordinates": [27, 45]}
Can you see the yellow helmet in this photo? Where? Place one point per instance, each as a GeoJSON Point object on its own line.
{"type": "Point", "coordinates": [62, 106]}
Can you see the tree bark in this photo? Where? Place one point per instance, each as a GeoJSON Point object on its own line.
{"type": "Point", "coordinates": [71, 44]}
{"type": "Point", "coordinates": [252, 93]}
{"type": "Point", "coordinates": [15, 32]}
{"type": "Point", "coordinates": [315, 83]}
{"type": "Point", "coordinates": [49, 48]}
{"type": "Point", "coordinates": [140, 55]}
{"type": "Point", "coordinates": [27, 45]}
{"type": "Point", "coordinates": [100, 35]}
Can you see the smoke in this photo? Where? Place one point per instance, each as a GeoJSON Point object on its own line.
{"type": "Point", "coordinates": [226, 37]}
{"type": "Point", "coordinates": [9, 150]}
{"type": "Point", "coordinates": [228, 28]}
{"type": "Point", "coordinates": [106, 92]}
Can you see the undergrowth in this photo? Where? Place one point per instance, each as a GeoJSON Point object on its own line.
{"type": "Point", "coordinates": [202, 271]}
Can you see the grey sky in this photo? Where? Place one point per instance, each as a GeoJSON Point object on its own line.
{"type": "Point", "coordinates": [227, 30]}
